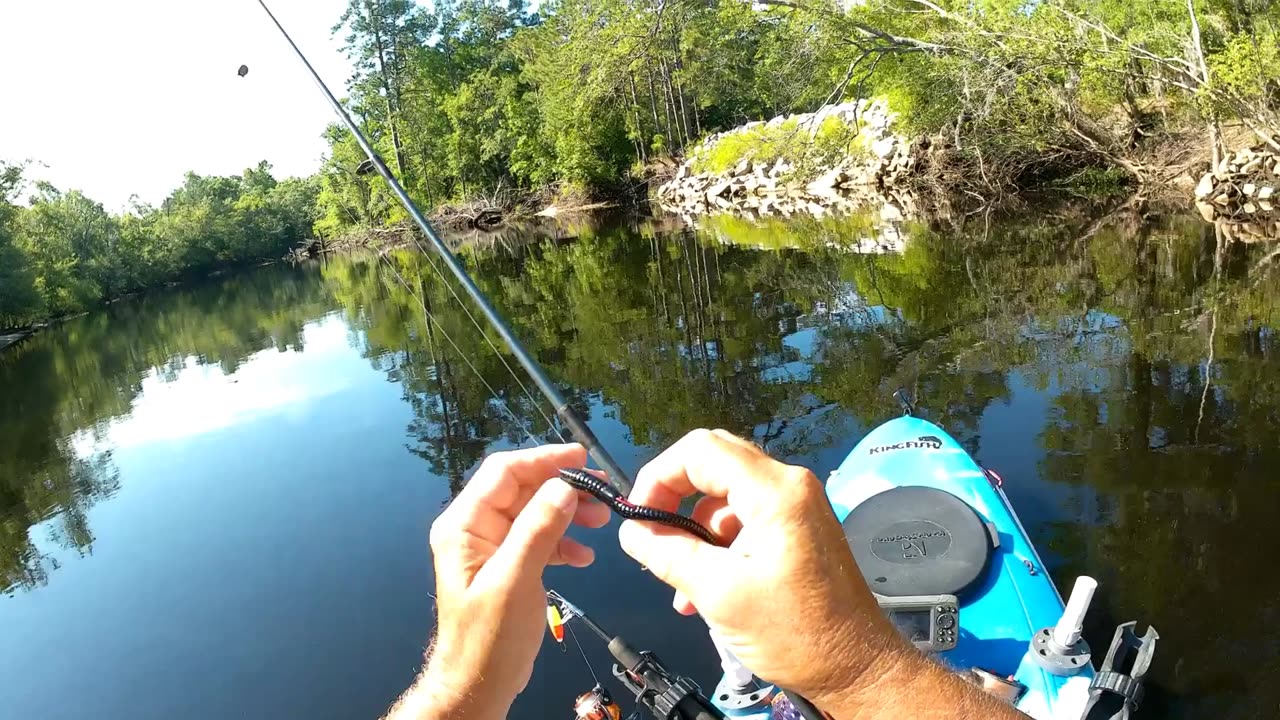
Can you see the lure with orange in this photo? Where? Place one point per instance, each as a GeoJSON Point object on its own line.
{"type": "Point", "coordinates": [555, 622]}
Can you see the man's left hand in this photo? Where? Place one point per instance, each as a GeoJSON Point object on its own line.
{"type": "Point", "coordinates": [490, 547]}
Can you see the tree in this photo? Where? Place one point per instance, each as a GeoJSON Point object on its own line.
{"type": "Point", "coordinates": [19, 301]}
{"type": "Point", "coordinates": [381, 36]}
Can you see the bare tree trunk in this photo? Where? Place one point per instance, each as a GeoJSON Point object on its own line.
{"type": "Point", "coordinates": [684, 112]}
{"type": "Point", "coordinates": [393, 92]}
{"type": "Point", "coordinates": [374, 20]}
{"type": "Point", "coordinates": [673, 120]}
{"type": "Point", "coordinates": [1215, 133]}
{"type": "Point", "coordinates": [635, 108]}
{"type": "Point", "coordinates": [653, 102]}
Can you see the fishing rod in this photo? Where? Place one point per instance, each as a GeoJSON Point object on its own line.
{"type": "Point", "coordinates": [620, 484]}
{"type": "Point", "coordinates": [577, 426]}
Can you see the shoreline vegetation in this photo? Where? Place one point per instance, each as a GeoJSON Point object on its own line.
{"type": "Point", "coordinates": [489, 110]}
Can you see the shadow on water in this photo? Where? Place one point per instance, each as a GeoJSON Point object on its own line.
{"type": "Point", "coordinates": [1119, 370]}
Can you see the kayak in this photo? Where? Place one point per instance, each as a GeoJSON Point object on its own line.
{"type": "Point", "coordinates": [951, 565]}
{"type": "Point", "coordinates": [1005, 594]}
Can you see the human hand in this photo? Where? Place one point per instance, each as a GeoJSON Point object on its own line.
{"type": "Point", "coordinates": [490, 547]}
{"type": "Point", "coordinates": [786, 595]}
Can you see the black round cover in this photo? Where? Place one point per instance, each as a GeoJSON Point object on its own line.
{"type": "Point", "coordinates": [918, 541]}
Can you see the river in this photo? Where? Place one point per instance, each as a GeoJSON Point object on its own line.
{"type": "Point", "coordinates": [214, 500]}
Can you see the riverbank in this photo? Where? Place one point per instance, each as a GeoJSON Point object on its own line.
{"type": "Point", "coordinates": [851, 157]}
{"type": "Point", "coordinates": [12, 338]}
{"type": "Point", "coordinates": [481, 220]}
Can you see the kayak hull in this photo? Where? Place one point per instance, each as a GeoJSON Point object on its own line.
{"type": "Point", "coordinates": [1013, 599]}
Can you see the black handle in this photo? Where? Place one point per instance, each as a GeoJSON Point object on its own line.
{"type": "Point", "coordinates": [696, 707]}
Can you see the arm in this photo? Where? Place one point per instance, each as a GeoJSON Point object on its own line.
{"type": "Point", "coordinates": [786, 595]}
{"type": "Point", "coordinates": [490, 547]}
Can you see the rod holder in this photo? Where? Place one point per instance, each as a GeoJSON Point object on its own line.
{"type": "Point", "coordinates": [1060, 649]}
{"type": "Point", "coordinates": [737, 674]}
{"type": "Point", "coordinates": [1067, 632]}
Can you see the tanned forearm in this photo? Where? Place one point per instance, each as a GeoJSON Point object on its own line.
{"type": "Point", "coordinates": [434, 695]}
{"type": "Point", "coordinates": [907, 684]}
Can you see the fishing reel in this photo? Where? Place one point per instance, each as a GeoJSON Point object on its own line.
{"type": "Point", "coordinates": [664, 695]}
{"type": "Point", "coordinates": [596, 704]}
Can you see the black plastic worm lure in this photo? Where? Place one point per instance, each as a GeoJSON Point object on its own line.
{"type": "Point", "coordinates": [605, 493]}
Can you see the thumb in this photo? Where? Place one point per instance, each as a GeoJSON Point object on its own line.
{"type": "Point", "coordinates": [537, 530]}
{"type": "Point", "coordinates": [676, 558]}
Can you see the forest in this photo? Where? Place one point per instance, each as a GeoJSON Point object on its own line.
{"type": "Point", "coordinates": [63, 252]}
{"type": "Point", "coordinates": [484, 98]}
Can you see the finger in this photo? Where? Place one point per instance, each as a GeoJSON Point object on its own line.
{"type": "Point", "coordinates": [572, 553]}
{"type": "Point", "coordinates": [500, 488]}
{"type": "Point", "coordinates": [506, 480]}
{"type": "Point", "coordinates": [674, 557]}
{"type": "Point", "coordinates": [705, 461]}
{"type": "Point", "coordinates": [591, 513]}
{"type": "Point", "coordinates": [681, 604]}
{"type": "Point", "coordinates": [716, 515]}
{"type": "Point", "coordinates": [478, 519]}
{"type": "Point", "coordinates": [536, 533]}
{"type": "Point", "coordinates": [737, 440]}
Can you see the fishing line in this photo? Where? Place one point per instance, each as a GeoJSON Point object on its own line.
{"type": "Point", "coordinates": [590, 669]}
{"type": "Point", "coordinates": [440, 274]}
{"type": "Point", "coordinates": [431, 318]}
{"type": "Point", "coordinates": [565, 412]}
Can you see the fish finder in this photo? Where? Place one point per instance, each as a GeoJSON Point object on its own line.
{"type": "Point", "coordinates": [930, 622]}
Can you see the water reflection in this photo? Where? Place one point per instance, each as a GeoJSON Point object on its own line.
{"type": "Point", "coordinates": [1119, 365]}
{"type": "Point", "coordinates": [61, 388]}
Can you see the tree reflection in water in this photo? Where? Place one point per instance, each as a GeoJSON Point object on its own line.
{"type": "Point", "coordinates": [1152, 342]}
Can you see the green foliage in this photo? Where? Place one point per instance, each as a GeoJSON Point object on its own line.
{"type": "Point", "coordinates": [1248, 65]}
{"type": "Point", "coordinates": [64, 253]}
{"type": "Point", "coordinates": [477, 94]}
{"type": "Point", "coordinates": [20, 304]}
{"type": "Point", "coordinates": [466, 96]}
{"type": "Point", "coordinates": [576, 94]}
{"type": "Point", "coordinates": [833, 141]}
{"type": "Point", "coordinates": [1097, 182]}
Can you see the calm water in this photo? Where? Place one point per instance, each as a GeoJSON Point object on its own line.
{"type": "Point", "coordinates": [214, 501]}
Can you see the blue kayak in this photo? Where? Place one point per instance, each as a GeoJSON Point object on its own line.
{"type": "Point", "coordinates": [951, 565]}
{"type": "Point", "coordinates": [1010, 597]}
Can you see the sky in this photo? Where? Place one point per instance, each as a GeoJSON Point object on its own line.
{"type": "Point", "coordinates": [122, 97]}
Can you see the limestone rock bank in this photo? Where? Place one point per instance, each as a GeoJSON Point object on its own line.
{"type": "Point", "coordinates": [838, 157]}
{"type": "Point", "coordinates": [1242, 195]}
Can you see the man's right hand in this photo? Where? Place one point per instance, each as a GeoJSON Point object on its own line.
{"type": "Point", "coordinates": [786, 595]}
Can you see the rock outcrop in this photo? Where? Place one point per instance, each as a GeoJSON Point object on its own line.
{"type": "Point", "coordinates": [1242, 195]}
{"type": "Point", "coordinates": [882, 162]}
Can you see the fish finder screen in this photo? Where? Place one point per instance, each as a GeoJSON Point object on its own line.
{"type": "Point", "coordinates": [913, 624]}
